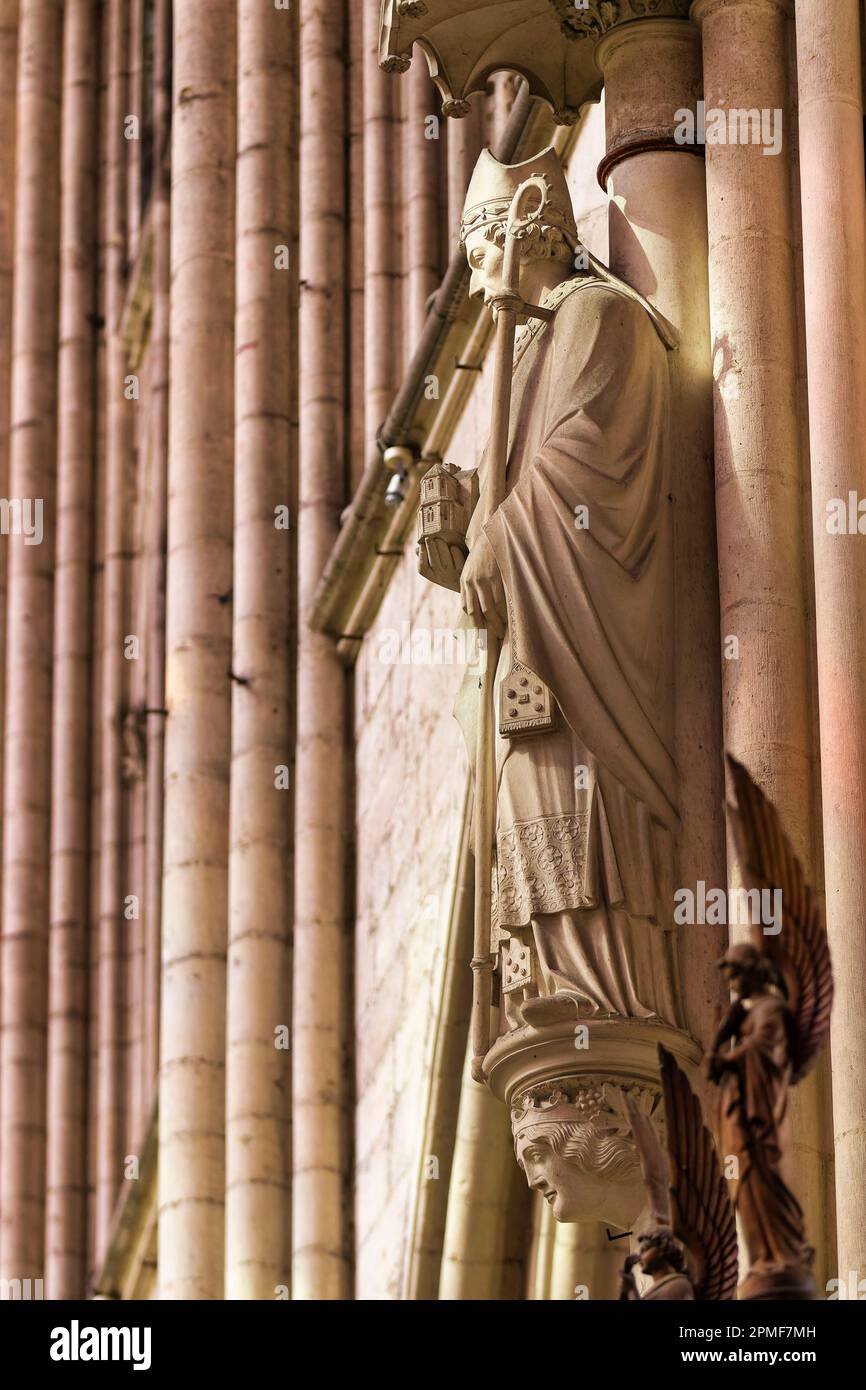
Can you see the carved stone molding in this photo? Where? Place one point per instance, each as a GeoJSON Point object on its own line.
{"type": "Point", "coordinates": [599, 16]}
{"type": "Point", "coordinates": [395, 63]}
{"type": "Point", "coordinates": [550, 43]}
{"type": "Point", "coordinates": [466, 41]}
{"type": "Point", "coordinates": [624, 1051]}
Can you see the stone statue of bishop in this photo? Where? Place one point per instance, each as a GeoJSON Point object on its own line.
{"type": "Point", "coordinates": [574, 572]}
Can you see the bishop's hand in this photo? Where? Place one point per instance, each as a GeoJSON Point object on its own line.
{"type": "Point", "coordinates": [441, 562]}
{"type": "Point", "coordinates": [481, 589]}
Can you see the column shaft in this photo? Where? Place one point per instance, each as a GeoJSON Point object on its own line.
{"type": "Point", "coordinates": [8, 84]}
{"type": "Point", "coordinates": [766, 666]}
{"type": "Point", "coordinates": [356, 385]}
{"type": "Point", "coordinates": [110, 992]}
{"type": "Point", "coordinates": [479, 1196]}
{"type": "Point", "coordinates": [198, 659]}
{"type": "Point", "coordinates": [382, 230]}
{"type": "Point", "coordinates": [65, 1250]}
{"type": "Point", "coordinates": [658, 243]}
{"type": "Point", "coordinates": [259, 965]}
{"type": "Point", "coordinates": [421, 180]}
{"type": "Point", "coordinates": [321, 1086]}
{"type": "Point", "coordinates": [135, 107]}
{"type": "Point", "coordinates": [29, 643]}
{"type": "Point", "coordinates": [159, 366]}
{"type": "Point", "coordinates": [834, 273]}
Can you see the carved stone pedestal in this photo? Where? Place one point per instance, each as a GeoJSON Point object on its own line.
{"type": "Point", "coordinates": [621, 1050]}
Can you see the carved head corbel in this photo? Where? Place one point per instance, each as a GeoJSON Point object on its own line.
{"type": "Point", "coordinates": [573, 1141]}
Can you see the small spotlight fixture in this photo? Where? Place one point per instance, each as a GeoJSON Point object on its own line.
{"type": "Point", "coordinates": [399, 461]}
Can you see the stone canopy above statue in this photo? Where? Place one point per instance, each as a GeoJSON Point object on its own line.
{"type": "Point", "coordinates": [551, 43]}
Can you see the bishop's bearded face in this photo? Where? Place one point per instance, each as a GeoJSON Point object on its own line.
{"type": "Point", "coordinates": [485, 262]}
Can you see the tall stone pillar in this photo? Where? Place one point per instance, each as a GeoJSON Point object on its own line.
{"type": "Point", "coordinates": [8, 93]}
{"type": "Point", "coordinates": [356, 386]}
{"type": "Point", "coordinates": [766, 677]}
{"type": "Point", "coordinates": [482, 1172]}
{"type": "Point", "coordinates": [66, 1179]}
{"type": "Point", "coordinates": [586, 1261]}
{"type": "Point", "coordinates": [382, 226]}
{"type": "Point", "coordinates": [27, 770]}
{"type": "Point", "coordinates": [321, 1085]}
{"type": "Point", "coordinates": [137, 79]}
{"type": "Point", "coordinates": [658, 244]}
{"type": "Point", "coordinates": [259, 967]}
{"type": "Point", "coordinates": [198, 658]}
{"type": "Point", "coordinates": [834, 273]}
{"type": "Point", "coordinates": [112, 1099]}
{"type": "Point", "coordinates": [8, 84]}
{"type": "Point", "coordinates": [421, 180]}
{"type": "Point", "coordinates": [160, 214]}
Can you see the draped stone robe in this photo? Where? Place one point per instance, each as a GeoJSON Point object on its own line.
{"type": "Point", "coordinates": [583, 872]}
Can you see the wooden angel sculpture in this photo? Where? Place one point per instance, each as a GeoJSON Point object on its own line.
{"type": "Point", "coordinates": [689, 1246]}
{"type": "Point", "coordinates": [770, 1037]}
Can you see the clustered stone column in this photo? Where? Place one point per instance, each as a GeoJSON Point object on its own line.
{"type": "Point", "coordinates": [152, 550]}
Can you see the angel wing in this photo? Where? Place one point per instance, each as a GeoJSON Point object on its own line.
{"type": "Point", "coordinates": [653, 1163]}
{"type": "Point", "coordinates": [799, 952]}
{"type": "Point", "coordinates": [702, 1212]}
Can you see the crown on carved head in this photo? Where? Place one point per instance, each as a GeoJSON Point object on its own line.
{"type": "Point", "coordinates": [493, 186]}
{"type": "Point", "coordinates": [588, 1101]}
